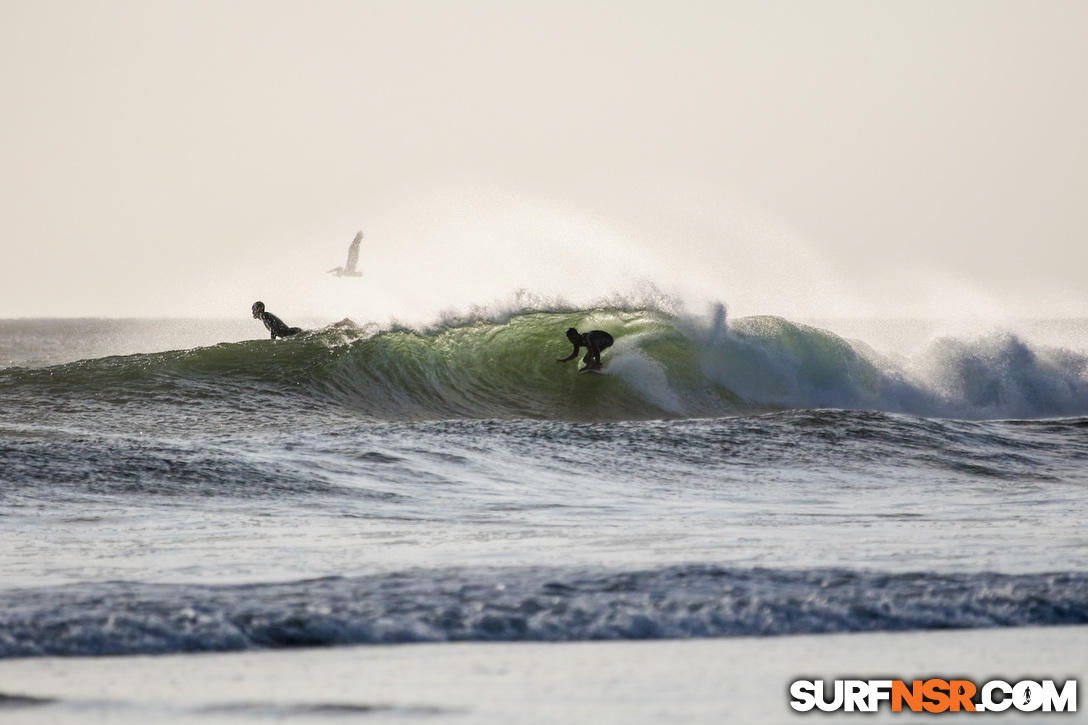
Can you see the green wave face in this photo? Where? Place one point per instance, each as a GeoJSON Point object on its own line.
{"type": "Point", "coordinates": [507, 370]}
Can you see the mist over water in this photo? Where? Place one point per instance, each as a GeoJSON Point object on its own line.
{"type": "Point", "coordinates": [468, 244]}
{"type": "Point", "coordinates": [717, 309]}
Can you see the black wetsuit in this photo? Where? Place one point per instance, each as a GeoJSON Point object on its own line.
{"type": "Point", "coordinates": [594, 341]}
{"type": "Point", "coordinates": [276, 326]}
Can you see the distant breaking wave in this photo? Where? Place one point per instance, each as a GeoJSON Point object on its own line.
{"type": "Point", "coordinates": [662, 366]}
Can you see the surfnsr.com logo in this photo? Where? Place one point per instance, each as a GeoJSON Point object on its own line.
{"type": "Point", "coordinates": [934, 695]}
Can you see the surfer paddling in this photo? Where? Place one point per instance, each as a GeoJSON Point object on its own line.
{"type": "Point", "coordinates": [594, 341]}
{"type": "Point", "coordinates": [275, 325]}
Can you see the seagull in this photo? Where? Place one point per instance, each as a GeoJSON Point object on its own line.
{"type": "Point", "coordinates": [348, 270]}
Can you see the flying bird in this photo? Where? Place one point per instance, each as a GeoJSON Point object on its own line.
{"type": "Point", "coordinates": [348, 270]}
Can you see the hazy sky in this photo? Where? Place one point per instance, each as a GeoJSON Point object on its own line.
{"type": "Point", "coordinates": [799, 158]}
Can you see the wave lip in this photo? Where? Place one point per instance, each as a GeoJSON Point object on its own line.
{"type": "Point", "coordinates": [495, 605]}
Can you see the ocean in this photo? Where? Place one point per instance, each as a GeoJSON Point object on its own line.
{"type": "Point", "coordinates": [187, 486]}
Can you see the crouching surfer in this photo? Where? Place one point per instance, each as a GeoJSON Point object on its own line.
{"type": "Point", "coordinates": [275, 325]}
{"type": "Point", "coordinates": [594, 341]}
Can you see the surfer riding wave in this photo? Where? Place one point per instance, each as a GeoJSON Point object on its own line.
{"type": "Point", "coordinates": [594, 341]}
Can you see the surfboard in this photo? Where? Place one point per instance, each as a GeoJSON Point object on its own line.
{"type": "Point", "coordinates": [599, 371]}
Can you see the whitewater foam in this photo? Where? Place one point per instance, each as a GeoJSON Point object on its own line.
{"type": "Point", "coordinates": [511, 604]}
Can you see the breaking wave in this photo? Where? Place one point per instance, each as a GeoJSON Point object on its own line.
{"type": "Point", "coordinates": [662, 366]}
{"type": "Point", "coordinates": [503, 605]}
